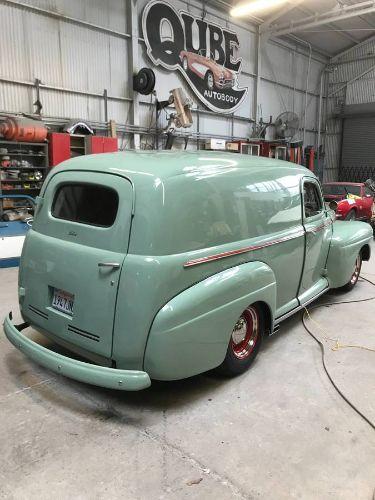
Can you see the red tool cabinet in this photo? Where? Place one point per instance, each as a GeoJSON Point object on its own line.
{"type": "Point", "coordinates": [63, 146]}
{"type": "Point", "coordinates": [58, 148]}
{"type": "Point", "coordinates": [99, 144]}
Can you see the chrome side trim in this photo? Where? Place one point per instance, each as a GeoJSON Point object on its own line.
{"type": "Point", "coordinates": [287, 315]}
{"type": "Point", "coordinates": [223, 255]}
{"type": "Point", "coordinates": [319, 228]}
{"type": "Point", "coordinates": [322, 292]}
{"type": "Point", "coordinates": [298, 308]}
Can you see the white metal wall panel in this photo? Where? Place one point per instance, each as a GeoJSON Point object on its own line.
{"type": "Point", "coordinates": [69, 55]}
{"type": "Point", "coordinates": [85, 56]}
{"type": "Point", "coordinates": [120, 78]}
{"type": "Point", "coordinates": [289, 66]}
{"type": "Point", "coordinates": [14, 61]}
{"type": "Point", "coordinates": [358, 149]}
{"type": "Point", "coordinates": [118, 111]}
{"type": "Point", "coordinates": [361, 90]}
{"type": "Point", "coordinates": [108, 13]}
{"type": "Point", "coordinates": [15, 98]}
{"type": "Point", "coordinates": [64, 105]}
{"type": "Point", "coordinates": [279, 64]}
{"type": "Point", "coordinates": [44, 58]}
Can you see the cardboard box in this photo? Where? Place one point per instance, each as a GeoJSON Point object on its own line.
{"type": "Point", "coordinates": [215, 144]}
{"type": "Point", "coordinates": [8, 203]}
{"type": "Point", "coordinates": [233, 146]}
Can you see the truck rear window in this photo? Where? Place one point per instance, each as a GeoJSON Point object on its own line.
{"type": "Point", "coordinates": [86, 203]}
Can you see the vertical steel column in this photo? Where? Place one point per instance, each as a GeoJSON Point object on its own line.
{"type": "Point", "coordinates": [105, 97]}
{"type": "Point", "coordinates": [306, 104]}
{"type": "Point", "coordinates": [320, 111]}
{"type": "Point", "coordinates": [198, 127]}
{"type": "Point", "coordinates": [258, 69]}
{"type": "Point", "coordinates": [133, 63]}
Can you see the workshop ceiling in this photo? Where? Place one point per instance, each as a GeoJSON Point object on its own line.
{"type": "Point", "coordinates": [331, 26]}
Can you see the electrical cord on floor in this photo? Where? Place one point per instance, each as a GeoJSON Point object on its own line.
{"type": "Point", "coordinates": [306, 313]}
{"type": "Point", "coordinates": [337, 345]}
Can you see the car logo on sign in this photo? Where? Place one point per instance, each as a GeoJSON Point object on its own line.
{"type": "Point", "coordinates": [202, 51]}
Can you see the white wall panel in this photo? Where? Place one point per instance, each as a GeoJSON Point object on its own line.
{"type": "Point", "coordinates": [44, 58]}
{"type": "Point", "coordinates": [347, 86]}
{"type": "Point", "coordinates": [120, 79]}
{"type": "Point", "coordinates": [68, 55]}
{"type": "Point", "coordinates": [14, 98]}
{"type": "Point", "coordinates": [14, 61]}
{"type": "Point", "coordinates": [108, 13]}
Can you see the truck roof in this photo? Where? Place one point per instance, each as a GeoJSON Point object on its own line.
{"type": "Point", "coordinates": [140, 166]}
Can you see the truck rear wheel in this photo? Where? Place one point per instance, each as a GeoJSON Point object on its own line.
{"type": "Point", "coordinates": [354, 278]}
{"type": "Point", "coordinates": [245, 341]}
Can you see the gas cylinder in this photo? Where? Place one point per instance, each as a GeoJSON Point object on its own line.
{"type": "Point", "coordinates": [23, 129]}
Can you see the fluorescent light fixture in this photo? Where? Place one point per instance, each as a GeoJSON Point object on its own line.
{"type": "Point", "coordinates": [255, 7]}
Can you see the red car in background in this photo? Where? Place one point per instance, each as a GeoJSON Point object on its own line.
{"type": "Point", "coordinates": [350, 200]}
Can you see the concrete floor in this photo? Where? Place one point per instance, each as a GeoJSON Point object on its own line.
{"type": "Point", "coordinates": [278, 432]}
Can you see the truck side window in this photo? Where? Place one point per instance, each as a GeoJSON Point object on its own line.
{"type": "Point", "coordinates": [311, 199]}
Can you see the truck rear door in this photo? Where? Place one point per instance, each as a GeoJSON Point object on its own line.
{"type": "Point", "coordinates": [73, 256]}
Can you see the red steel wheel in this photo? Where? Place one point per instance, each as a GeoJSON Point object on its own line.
{"type": "Point", "coordinates": [244, 342]}
{"type": "Point", "coordinates": [357, 270]}
{"type": "Point", "coordinates": [354, 278]}
{"type": "Point", "coordinates": [245, 333]}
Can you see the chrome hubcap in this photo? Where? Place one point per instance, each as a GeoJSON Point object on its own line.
{"type": "Point", "coordinates": [239, 331]}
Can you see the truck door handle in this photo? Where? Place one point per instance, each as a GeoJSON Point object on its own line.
{"type": "Point", "coordinates": [113, 265]}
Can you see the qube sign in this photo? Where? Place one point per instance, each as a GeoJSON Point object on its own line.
{"type": "Point", "coordinates": [203, 52]}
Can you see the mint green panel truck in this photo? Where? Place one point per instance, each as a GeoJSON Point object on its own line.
{"type": "Point", "coordinates": [163, 265]}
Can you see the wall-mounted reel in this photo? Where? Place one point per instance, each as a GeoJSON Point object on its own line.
{"type": "Point", "coordinates": [144, 81]}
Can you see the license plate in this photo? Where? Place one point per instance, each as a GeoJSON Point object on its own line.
{"type": "Point", "coordinates": [63, 301]}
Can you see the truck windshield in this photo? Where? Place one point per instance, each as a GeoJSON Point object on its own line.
{"type": "Point", "coordinates": [86, 203]}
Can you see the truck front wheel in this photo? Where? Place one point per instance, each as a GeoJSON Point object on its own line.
{"type": "Point", "coordinates": [354, 278]}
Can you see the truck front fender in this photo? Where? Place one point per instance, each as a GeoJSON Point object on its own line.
{"type": "Point", "coordinates": [190, 334]}
{"type": "Point", "coordinates": [348, 239]}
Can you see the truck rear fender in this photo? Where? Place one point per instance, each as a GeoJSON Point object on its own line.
{"type": "Point", "coordinates": [190, 334]}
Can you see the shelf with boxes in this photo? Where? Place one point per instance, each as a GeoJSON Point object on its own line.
{"type": "Point", "coordinates": [23, 166]}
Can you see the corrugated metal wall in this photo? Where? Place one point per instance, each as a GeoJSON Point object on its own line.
{"type": "Point", "coordinates": [358, 149]}
{"type": "Point", "coordinates": [76, 62]}
{"type": "Point", "coordinates": [351, 80]}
